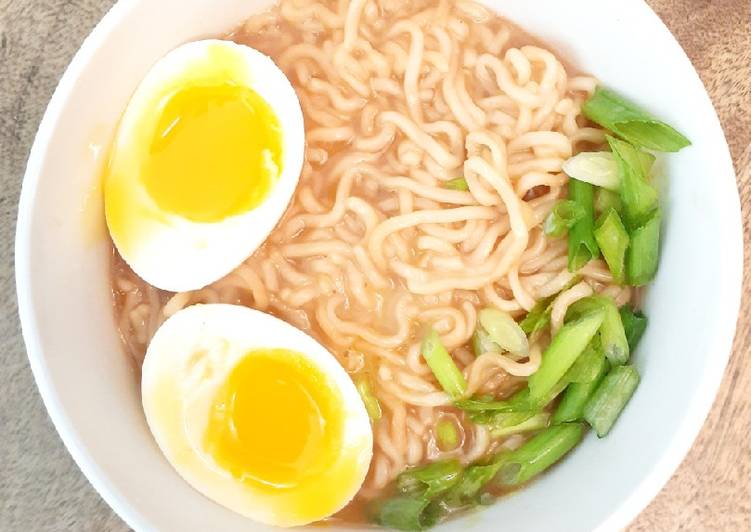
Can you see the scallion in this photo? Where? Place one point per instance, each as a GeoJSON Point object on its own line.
{"type": "Point", "coordinates": [481, 342]}
{"type": "Point", "coordinates": [582, 246]}
{"type": "Point", "coordinates": [457, 184]}
{"type": "Point", "coordinates": [634, 324]}
{"type": "Point", "coordinates": [467, 490]}
{"type": "Point", "coordinates": [532, 422]}
{"type": "Point", "coordinates": [587, 366]}
{"type": "Point", "coordinates": [504, 331]}
{"type": "Point", "coordinates": [595, 167]}
{"type": "Point", "coordinates": [519, 402]}
{"type": "Point", "coordinates": [564, 349]}
{"type": "Point", "coordinates": [562, 217]}
{"type": "Point", "coordinates": [610, 398]}
{"type": "Point", "coordinates": [430, 480]}
{"type": "Point", "coordinates": [639, 198]}
{"type": "Point", "coordinates": [539, 453]}
{"type": "Point", "coordinates": [538, 318]}
{"type": "Point", "coordinates": [606, 200]}
{"type": "Point", "coordinates": [612, 335]}
{"type": "Point", "coordinates": [406, 513]}
{"type": "Point", "coordinates": [442, 365]}
{"type": "Point", "coordinates": [647, 160]}
{"type": "Point", "coordinates": [571, 407]}
{"type": "Point", "coordinates": [372, 406]}
{"type": "Point", "coordinates": [446, 435]}
{"type": "Point", "coordinates": [629, 122]}
{"type": "Point", "coordinates": [613, 240]}
{"type": "Point", "coordinates": [644, 253]}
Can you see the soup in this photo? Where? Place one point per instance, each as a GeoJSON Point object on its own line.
{"type": "Point", "coordinates": [433, 198]}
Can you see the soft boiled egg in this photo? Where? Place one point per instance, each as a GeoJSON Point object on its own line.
{"type": "Point", "coordinates": [203, 164]}
{"type": "Point", "coordinates": [255, 414]}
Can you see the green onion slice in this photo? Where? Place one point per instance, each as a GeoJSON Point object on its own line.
{"type": "Point", "coordinates": [406, 513]}
{"type": "Point", "coordinates": [457, 184]}
{"type": "Point", "coordinates": [610, 398]}
{"type": "Point", "coordinates": [515, 424]}
{"type": "Point", "coordinates": [587, 366]}
{"type": "Point", "coordinates": [446, 434]}
{"type": "Point", "coordinates": [481, 342]}
{"type": "Point", "coordinates": [430, 480]}
{"type": "Point", "coordinates": [597, 168]}
{"type": "Point", "coordinates": [644, 253]}
{"type": "Point", "coordinates": [372, 405]}
{"type": "Point", "coordinates": [613, 240]}
{"type": "Point", "coordinates": [631, 123]}
{"type": "Point", "coordinates": [539, 453]}
{"type": "Point", "coordinates": [562, 217]}
{"type": "Point", "coordinates": [504, 331]}
{"type": "Point", "coordinates": [612, 334]}
{"type": "Point", "coordinates": [634, 324]}
{"type": "Point", "coordinates": [582, 246]}
{"type": "Point", "coordinates": [443, 366]}
{"type": "Point", "coordinates": [571, 407]}
{"type": "Point", "coordinates": [564, 349]}
{"type": "Point", "coordinates": [639, 198]}
{"type": "Point", "coordinates": [538, 318]}
{"type": "Point", "coordinates": [606, 200]}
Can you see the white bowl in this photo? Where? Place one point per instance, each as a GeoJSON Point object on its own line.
{"type": "Point", "coordinates": [89, 386]}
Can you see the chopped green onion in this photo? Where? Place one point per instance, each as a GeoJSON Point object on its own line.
{"type": "Point", "coordinates": [457, 184]}
{"type": "Point", "coordinates": [644, 253]}
{"type": "Point", "coordinates": [628, 121]}
{"type": "Point", "coordinates": [613, 240]}
{"type": "Point", "coordinates": [481, 342]}
{"type": "Point", "coordinates": [647, 160]}
{"type": "Point", "coordinates": [538, 318]}
{"type": "Point", "coordinates": [475, 478]}
{"type": "Point", "coordinates": [539, 453]}
{"type": "Point", "coordinates": [562, 217]}
{"type": "Point", "coordinates": [519, 402]}
{"type": "Point", "coordinates": [597, 168]}
{"type": "Point", "coordinates": [564, 349]}
{"type": "Point", "coordinates": [582, 246]}
{"type": "Point", "coordinates": [612, 335]}
{"type": "Point", "coordinates": [606, 200]}
{"type": "Point", "coordinates": [532, 422]}
{"type": "Point", "coordinates": [571, 407]}
{"type": "Point", "coordinates": [504, 331]}
{"type": "Point", "coordinates": [443, 366]}
{"type": "Point", "coordinates": [587, 366]}
{"type": "Point", "coordinates": [406, 513]}
{"type": "Point", "coordinates": [634, 323]}
{"type": "Point", "coordinates": [446, 435]}
{"type": "Point", "coordinates": [638, 196]}
{"type": "Point", "coordinates": [430, 480]}
{"type": "Point", "coordinates": [611, 396]}
{"type": "Point", "coordinates": [370, 401]}
{"type": "Point", "coordinates": [497, 419]}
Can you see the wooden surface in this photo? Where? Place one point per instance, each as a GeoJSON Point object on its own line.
{"type": "Point", "coordinates": [40, 487]}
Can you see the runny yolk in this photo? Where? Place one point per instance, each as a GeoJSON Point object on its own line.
{"type": "Point", "coordinates": [216, 152]}
{"type": "Point", "coordinates": [276, 422]}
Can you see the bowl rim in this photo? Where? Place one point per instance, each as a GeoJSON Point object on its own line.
{"type": "Point", "coordinates": [675, 452]}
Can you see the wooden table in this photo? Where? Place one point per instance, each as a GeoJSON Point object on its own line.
{"type": "Point", "coordinates": [40, 487]}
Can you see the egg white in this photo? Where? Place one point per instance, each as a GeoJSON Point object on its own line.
{"type": "Point", "coordinates": [190, 357]}
{"type": "Point", "coordinates": [167, 250]}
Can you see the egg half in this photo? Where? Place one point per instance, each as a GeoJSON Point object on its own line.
{"type": "Point", "coordinates": [255, 414]}
{"type": "Point", "coordinates": [203, 164]}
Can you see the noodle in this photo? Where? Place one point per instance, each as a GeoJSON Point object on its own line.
{"type": "Point", "coordinates": [400, 97]}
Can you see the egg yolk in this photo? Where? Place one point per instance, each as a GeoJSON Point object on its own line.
{"type": "Point", "coordinates": [216, 152]}
{"type": "Point", "coordinates": [276, 422]}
